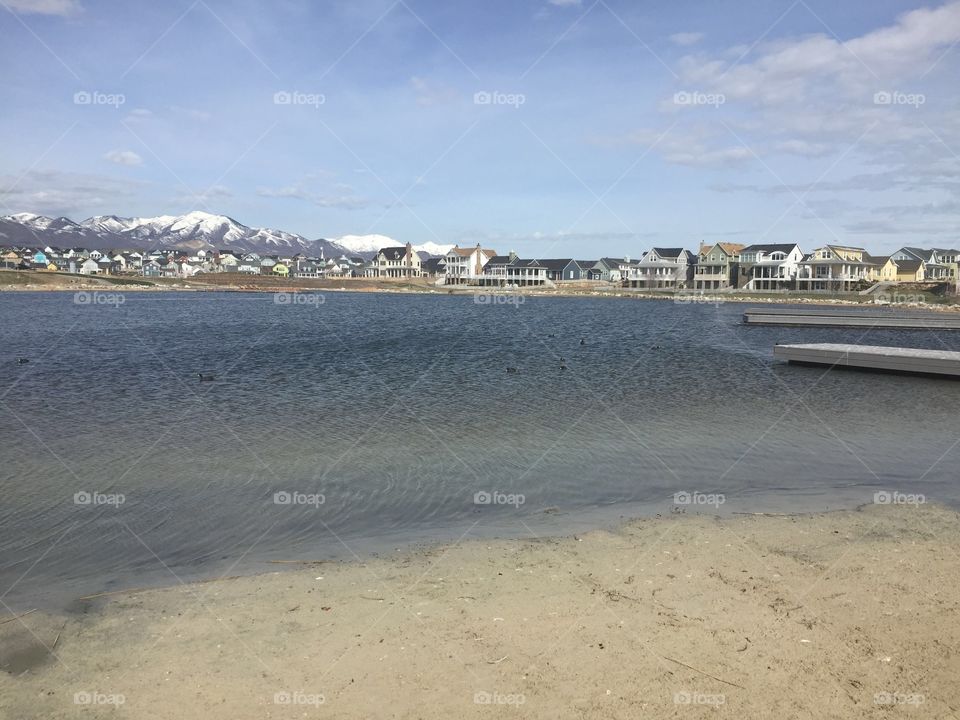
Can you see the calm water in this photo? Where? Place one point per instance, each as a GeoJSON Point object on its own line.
{"type": "Point", "coordinates": [398, 409]}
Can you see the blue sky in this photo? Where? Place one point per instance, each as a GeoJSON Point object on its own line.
{"type": "Point", "coordinates": [601, 127]}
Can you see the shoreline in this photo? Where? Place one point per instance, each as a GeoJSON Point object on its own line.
{"type": "Point", "coordinates": [652, 616]}
{"type": "Point", "coordinates": [684, 298]}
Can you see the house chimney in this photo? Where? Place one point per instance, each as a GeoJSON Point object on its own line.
{"type": "Point", "coordinates": [627, 259]}
{"type": "Point", "coordinates": [513, 255]}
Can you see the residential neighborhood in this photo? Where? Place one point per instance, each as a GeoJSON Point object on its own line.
{"type": "Point", "coordinates": [717, 268]}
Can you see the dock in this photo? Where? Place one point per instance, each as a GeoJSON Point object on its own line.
{"type": "Point", "coordinates": [852, 317]}
{"type": "Point", "coordinates": [873, 357]}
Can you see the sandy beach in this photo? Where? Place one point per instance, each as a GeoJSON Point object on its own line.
{"type": "Point", "coordinates": [849, 614]}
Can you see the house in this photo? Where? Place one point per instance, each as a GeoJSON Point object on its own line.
{"type": "Point", "coordinates": [951, 259]}
{"type": "Point", "coordinates": [884, 269]}
{"type": "Point", "coordinates": [769, 267]}
{"type": "Point", "coordinates": [266, 265]}
{"type": "Point", "coordinates": [835, 268]}
{"type": "Point", "coordinates": [89, 267]}
{"type": "Point", "coordinates": [281, 270]}
{"type": "Point", "coordinates": [511, 271]}
{"type": "Point", "coordinates": [563, 270]}
{"type": "Point", "coordinates": [433, 267]}
{"type": "Point", "coordinates": [10, 260]}
{"type": "Point", "coordinates": [227, 261]}
{"type": "Point", "coordinates": [464, 266]}
{"type": "Point", "coordinates": [663, 269]}
{"type": "Point", "coordinates": [717, 266]}
{"type": "Point", "coordinates": [936, 269]}
{"type": "Point", "coordinates": [910, 270]}
{"type": "Point", "coordinates": [397, 262]}
{"type": "Point", "coordinates": [304, 268]}
{"type": "Point", "coordinates": [612, 270]}
{"type": "Point", "coordinates": [151, 268]}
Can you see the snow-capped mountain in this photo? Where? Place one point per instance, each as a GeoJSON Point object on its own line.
{"type": "Point", "coordinates": [195, 231]}
{"type": "Point", "coordinates": [370, 244]}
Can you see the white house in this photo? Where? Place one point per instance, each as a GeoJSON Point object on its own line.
{"type": "Point", "coordinates": [770, 267]}
{"type": "Point", "coordinates": [397, 262]}
{"type": "Point", "coordinates": [663, 269]}
{"type": "Point", "coordinates": [464, 266]}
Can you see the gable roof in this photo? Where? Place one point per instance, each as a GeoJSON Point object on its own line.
{"type": "Point", "coordinates": [769, 248]}
{"type": "Point", "coordinates": [909, 266]}
{"type": "Point", "coordinates": [394, 253]}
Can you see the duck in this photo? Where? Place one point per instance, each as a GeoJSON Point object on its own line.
{"type": "Point", "coordinates": [583, 341]}
{"type": "Point", "coordinates": [512, 370]}
{"type": "Point", "coordinates": [22, 361]}
{"type": "Point", "coordinates": [205, 377]}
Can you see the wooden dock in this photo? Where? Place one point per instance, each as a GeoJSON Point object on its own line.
{"type": "Point", "coordinates": [852, 317]}
{"type": "Point", "coordinates": [873, 357]}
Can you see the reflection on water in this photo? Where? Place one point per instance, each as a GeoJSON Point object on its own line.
{"type": "Point", "coordinates": [393, 411]}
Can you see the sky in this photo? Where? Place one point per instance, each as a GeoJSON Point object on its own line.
{"type": "Point", "coordinates": [563, 128]}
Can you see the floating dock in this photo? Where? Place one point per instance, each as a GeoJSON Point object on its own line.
{"type": "Point", "coordinates": [873, 357]}
{"type": "Point", "coordinates": [844, 317]}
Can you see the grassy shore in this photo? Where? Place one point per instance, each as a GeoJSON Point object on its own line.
{"type": "Point", "coordinates": [850, 614]}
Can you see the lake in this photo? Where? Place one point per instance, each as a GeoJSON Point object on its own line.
{"type": "Point", "coordinates": [341, 425]}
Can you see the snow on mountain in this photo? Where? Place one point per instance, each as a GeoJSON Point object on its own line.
{"type": "Point", "coordinates": [366, 243]}
{"type": "Point", "coordinates": [432, 248]}
{"type": "Point", "coordinates": [369, 244]}
{"type": "Point", "coordinates": [196, 230]}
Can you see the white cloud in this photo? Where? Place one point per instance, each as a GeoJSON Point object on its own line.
{"type": "Point", "coordinates": [52, 192]}
{"type": "Point", "coordinates": [124, 157]}
{"type": "Point", "coordinates": [685, 39]}
{"type": "Point", "coordinates": [43, 7]}
{"type": "Point", "coordinates": [343, 196]}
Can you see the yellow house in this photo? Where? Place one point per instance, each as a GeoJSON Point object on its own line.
{"type": "Point", "coordinates": [910, 270]}
{"type": "Point", "coordinates": [52, 266]}
{"type": "Point", "coordinates": [885, 269]}
{"type": "Point", "coordinates": [281, 270]}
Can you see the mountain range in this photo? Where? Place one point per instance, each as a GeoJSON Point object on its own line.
{"type": "Point", "coordinates": [194, 231]}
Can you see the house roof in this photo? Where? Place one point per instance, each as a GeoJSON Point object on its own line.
{"type": "Point", "coordinates": [728, 248]}
{"type": "Point", "coordinates": [919, 253]}
{"type": "Point", "coordinates": [768, 248]}
{"type": "Point", "coordinates": [555, 263]}
{"type": "Point", "coordinates": [668, 252]}
{"type": "Point", "coordinates": [908, 266]}
{"type": "Point", "coordinates": [394, 253]}
{"type": "Point", "coordinates": [467, 252]}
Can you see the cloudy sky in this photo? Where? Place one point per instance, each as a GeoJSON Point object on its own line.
{"type": "Point", "coordinates": [553, 127]}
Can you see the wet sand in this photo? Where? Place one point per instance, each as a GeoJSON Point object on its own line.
{"type": "Point", "coordinates": [851, 614]}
